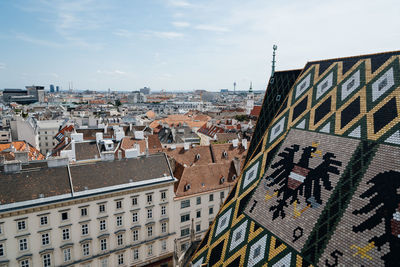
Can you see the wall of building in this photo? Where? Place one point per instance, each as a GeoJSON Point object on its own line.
{"type": "Point", "coordinates": [86, 212]}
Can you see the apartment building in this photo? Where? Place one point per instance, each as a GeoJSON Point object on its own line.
{"type": "Point", "coordinates": [98, 213]}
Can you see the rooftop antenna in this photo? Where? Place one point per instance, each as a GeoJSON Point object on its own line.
{"type": "Point", "coordinates": [274, 47]}
{"type": "Point", "coordinates": [234, 88]}
{"type": "Point", "coordinates": [251, 87]}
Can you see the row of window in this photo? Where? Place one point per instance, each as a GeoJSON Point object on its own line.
{"type": "Point", "coordinates": [104, 246]}
{"type": "Point", "coordinates": [44, 219]}
{"type": "Point", "coordinates": [67, 254]}
{"type": "Point", "coordinates": [186, 203]}
{"type": "Point", "coordinates": [186, 217]}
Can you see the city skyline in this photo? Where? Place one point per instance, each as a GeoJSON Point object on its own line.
{"type": "Point", "coordinates": [181, 45]}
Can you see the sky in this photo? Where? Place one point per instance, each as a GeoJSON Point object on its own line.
{"type": "Point", "coordinates": [181, 45]}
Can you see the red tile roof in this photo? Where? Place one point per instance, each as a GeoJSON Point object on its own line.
{"type": "Point", "coordinates": [255, 111]}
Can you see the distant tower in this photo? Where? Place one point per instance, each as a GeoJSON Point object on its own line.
{"type": "Point", "coordinates": [51, 88]}
{"type": "Point", "coordinates": [250, 100]}
{"type": "Point", "coordinates": [274, 47]}
{"type": "Point", "coordinates": [57, 88]}
{"type": "Point", "coordinates": [234, 88]}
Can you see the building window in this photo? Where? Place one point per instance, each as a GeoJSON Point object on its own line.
{"type": "Point", "coordinates": [222, 194]}
{"type": "Point", "coordinates": [1, 229]}
{"type": "Point", "coordinates": [2, 252]}
{"type": "Point", "coordinates": [120, 239]}
{"type": "Point", "coordinates": [65, 234]}
{"type": "Point", "coordinates": [198, 214]}
{"type": "Point", "coordinates": [104, 262]}
{"type": "Point", "coordinates": [149, 213]}
{"type": "Point", "coordinates": [45, 239]}
{"type": "Point", "coordinates": [119, 220]}
{"type": "Point", "coordinates": [46, 260]}
{"type": "Point", "coordinates": [135, 235]}
{"type": "Point", "coordinates": [64, 216]}
{"type": "Point", "coordinates": [134, 201]}
{"type": "Point", "coordinates": [135, 253]}
{"type": "Point", "coordinates": [85, 249]}
{"type": "Point", "coordinates": [103, 244]}
{"type": "Point", "coordinates": [67, 254]}
{"type": "Point", "coordinates": [211, 197]}
{"type": "Point", "coordinates": [84, 212]}
{"type": "Point", "coordinates": [198, 200]}
{"type": "Point", "coordinates": [163, 210]}
{"type": "Point", "coordinates": [24, 263]}
{"type": "Point", "coordinates": [185, 203]}
{"type": "Point", "coordinates": [163, 245]}
{"type": "Point", "coordinates": [102, 208]}
{"type": "Point", "coordinates": [103, 225]}
{"type": "Point", "coordinates": [150, 250]}
{"type": "Point", "coordinates": [118, 204]}
{"type": "Point", "coordinates": [120, 259]}
{"type": "Point", "coordinates": [149, 231]}
{"type": "Point", "coordinates": [85, 229]}
{"type": "Point", "coordinates": [163, 227]}
{"type": "Point", "coordinates": [163, 195]}
{"type": "Point", "coordinates": [150, 198]}
{"type": "Point", "coordinates": [44, 220]}
{"type": "Point", "coordinates": [185, 218]}
{"type": "Point", "coordinates": [134, 217]}
{"type": "Point", "coordinates": [197, 227]}
{"type": "Point", "coordinates": [21, 225]}
{"type": "Point", "coordinates": [184, 246]}
{"type": "Point", "coordinates": [23, 244]}
{"type": "Point", "coordinates": [185, 231]}
{"type": "Point", "coordinates": [210, 210]}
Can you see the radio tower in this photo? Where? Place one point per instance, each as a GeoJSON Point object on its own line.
{"type": "Point", "coordinates": [234, 88]}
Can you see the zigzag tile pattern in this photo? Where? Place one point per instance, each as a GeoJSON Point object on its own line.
{"type": "Point", "coordinates": [321, 185]}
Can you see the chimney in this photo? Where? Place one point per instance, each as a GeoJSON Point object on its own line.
{"type": "Point", "coordinates": [22, 156]}
{"type": "Point", "coordinates": [12, 166]}
{"type": "Point", "coordinates": [186, 146]}
{"type": "Point", "coordinates": [57, 162]}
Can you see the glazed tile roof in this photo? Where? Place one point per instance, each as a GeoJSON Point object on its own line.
{"type": "Point", "coordinates": [321, 185]}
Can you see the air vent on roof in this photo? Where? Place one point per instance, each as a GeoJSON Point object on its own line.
{"type": "Point", "coordinates": [86, 188]}
{"type": "Point", "coordinates": [130, 180]}
{"type": "Point", "coordinates": [41, 195]}
{"type": "Point", "coordinates": [202, 184]}
{"type": "Point", "coordinates": [187, 187]}
{"type": "Point", "coordinates": [197, 156]}
{"type": "Point", "coordinates": [222, 180]}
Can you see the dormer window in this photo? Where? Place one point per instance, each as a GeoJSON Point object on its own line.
{"type": "Point", "coordinates": [197, 156]}
{"type": "Point", "coordinates": [187, 187]}
{"type": "Point", "coordinates": [222, 180]}
{"type": "Point", "coordinates": [234, 177]}
{"type": "Point", "coordinates": [225, 154]}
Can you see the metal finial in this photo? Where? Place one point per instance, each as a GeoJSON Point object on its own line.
{"type": "Point", "coordinates": [274, 47]}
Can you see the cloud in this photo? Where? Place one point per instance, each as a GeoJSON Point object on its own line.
{"type": "Point", "coordinates": [166, 35]}
{"type": "Point", "coordinates": [123, 33]}
{"type": "Point", "coordinates": [33, 40]}
{"type": "Point", "coordinates": [179, 3]}
{"type": "Point", "coordinates": [212, 28]}
{"type": "Point", "coordinates": [113, 72]}
{"type": "Point", "coordinates": [2, 66]}
{"type": "Point", "coordinates": [181, 24]}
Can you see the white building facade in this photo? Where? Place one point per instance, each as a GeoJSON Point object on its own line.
{"type": "Point", "coordinates": [125, 224]}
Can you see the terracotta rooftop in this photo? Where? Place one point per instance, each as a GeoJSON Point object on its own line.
{"type": "Point", "coordinates": [154, 143]}
{"type": "Point", "coordinates": [188, 157]}
{"type": "Point", "coordinates": [33, 154]}
{"type": "Point", "coordinates": [203, 178]}
{"type": "Point", "coordinates": [231, 152]}
{"type": "Point", "coordinates": [255, 111]}
{"type": "Point", "coordinates": [210, 131]}
{"type": "Point", "coordinates": [129, 142]}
